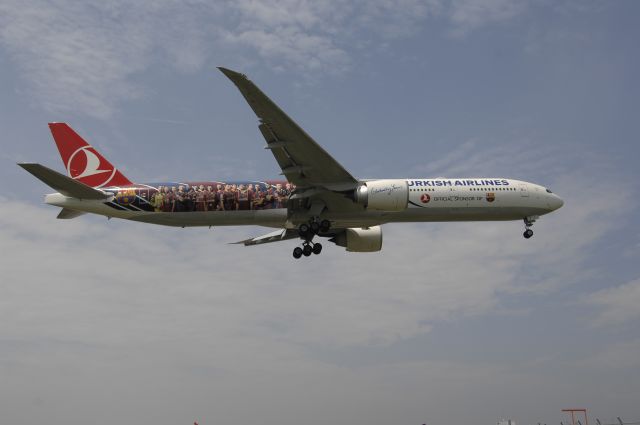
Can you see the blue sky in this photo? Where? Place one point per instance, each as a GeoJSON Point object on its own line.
{"type": "Point", "coordinates": [117, 322]}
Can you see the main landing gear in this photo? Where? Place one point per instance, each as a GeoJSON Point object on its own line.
{"type": "Point", "coordinates": [307, 249]}
{"type": "Point", "coordinates": [528, 222]}
{"type": "Point", "coordinates": [307, 231]}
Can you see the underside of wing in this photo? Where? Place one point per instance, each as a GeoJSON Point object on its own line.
{"type": "Point", "coordinates": [67, 214]}
{"type": "Point", "coordinates": [303, 162]}
{"type": "Point", "coordinates": [276, 236]}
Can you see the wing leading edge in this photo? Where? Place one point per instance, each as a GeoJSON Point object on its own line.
{"type": "Point", "coordinates": [303, 162]}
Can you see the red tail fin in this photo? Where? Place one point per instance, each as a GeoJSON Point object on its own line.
{"type": "Point", "coordinates": [82, 161]}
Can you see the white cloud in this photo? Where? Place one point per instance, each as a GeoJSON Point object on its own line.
{"type": "Point", "coordinates": [82, 57]}
{"type": "Point", "coordinates": [85, 57]}
{"type": "Point", "coordinates": [469, 15]}
{"type": "Point", "coordinates": [401, 18]}
{"type": "Point", "coordinates": [616, 305]}
{"type": "Point", "coordinates": [289, 47]}
{"type": "Point", "coordinates": [318, 37]}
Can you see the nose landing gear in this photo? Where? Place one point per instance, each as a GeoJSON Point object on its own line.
{"type": "Point", "coordinates": [307, 231]}
{"type": "Point", "coordinates": [528, 222]}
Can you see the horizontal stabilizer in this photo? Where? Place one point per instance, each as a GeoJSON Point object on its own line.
{"type": "Point", "coordinates": [63, 184]}
{"type": "Point", "coordinates": [278, 235]}
{"type": "Point", "coordinates": [67, 214]}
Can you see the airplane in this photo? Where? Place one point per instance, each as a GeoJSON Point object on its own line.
{"type": "Point", "coordinates": [318, 197]}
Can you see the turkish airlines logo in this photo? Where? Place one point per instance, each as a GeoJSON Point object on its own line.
{"type": "Point", "coordinates": [86, 166]}
{"type": "Point", "coordinates": [425, 198]}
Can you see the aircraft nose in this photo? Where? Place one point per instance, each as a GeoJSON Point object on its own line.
{"type": "Point", "coordinates": [555, 202]}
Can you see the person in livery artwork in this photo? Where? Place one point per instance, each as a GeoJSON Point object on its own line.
{"type": "Point", "coordinates": [206, 196]}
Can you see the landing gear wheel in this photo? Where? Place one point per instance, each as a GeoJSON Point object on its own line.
{"type": "Point", "coordinates": [325, 225]}
{"type": "Point", "coordinates": [303, 230]}
{"type": "Point", "coordinates": [306, 251]}
{"type": "Point", "coordinates": [315, 227]}
{"type": "Point", "coordinates": [527, 233]}
{"type": "Point", "coordinates": [297, 252]}
{"type": "Point", "coordinates": [317, 248]}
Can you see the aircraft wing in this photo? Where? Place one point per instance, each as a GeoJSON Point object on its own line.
{"type": "Point", "coordinates": [303, 162]}
{"type": "Point", "coordinates": [276, 236]}
{"type": "Point", "coordinates": [67, 214]}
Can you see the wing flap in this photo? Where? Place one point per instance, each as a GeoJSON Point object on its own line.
{"type": "Point", "coordinates": [63, 184]}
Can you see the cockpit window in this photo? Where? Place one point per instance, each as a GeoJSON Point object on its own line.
{"type": "Point", "coordinates": [549, 191]}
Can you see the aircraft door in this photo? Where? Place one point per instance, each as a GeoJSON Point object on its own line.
{"type": "Point", "coordinates": [523, 191]}
{"type": "Point", "coordinates": [452, 203]}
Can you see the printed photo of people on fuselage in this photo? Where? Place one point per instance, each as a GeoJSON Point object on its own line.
{"type": "Point", "coordinates": [206, 196]}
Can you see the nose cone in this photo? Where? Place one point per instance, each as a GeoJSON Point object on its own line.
{"type": "Point", "coordinates": [555, 202]}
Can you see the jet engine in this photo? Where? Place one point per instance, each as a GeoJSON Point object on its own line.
{"type": "Point", "coordinates": [383, 195]}
{"type": "Point", "coordinates": [360, 240]}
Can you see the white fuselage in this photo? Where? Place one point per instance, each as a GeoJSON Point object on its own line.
{"type": "Point", "coordinates": [429, 200]}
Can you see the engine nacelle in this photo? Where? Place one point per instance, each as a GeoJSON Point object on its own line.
{"type": "Point", "coordinates": [383, 195]}
{"type": "Point", "coordinates": [360, 240]}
